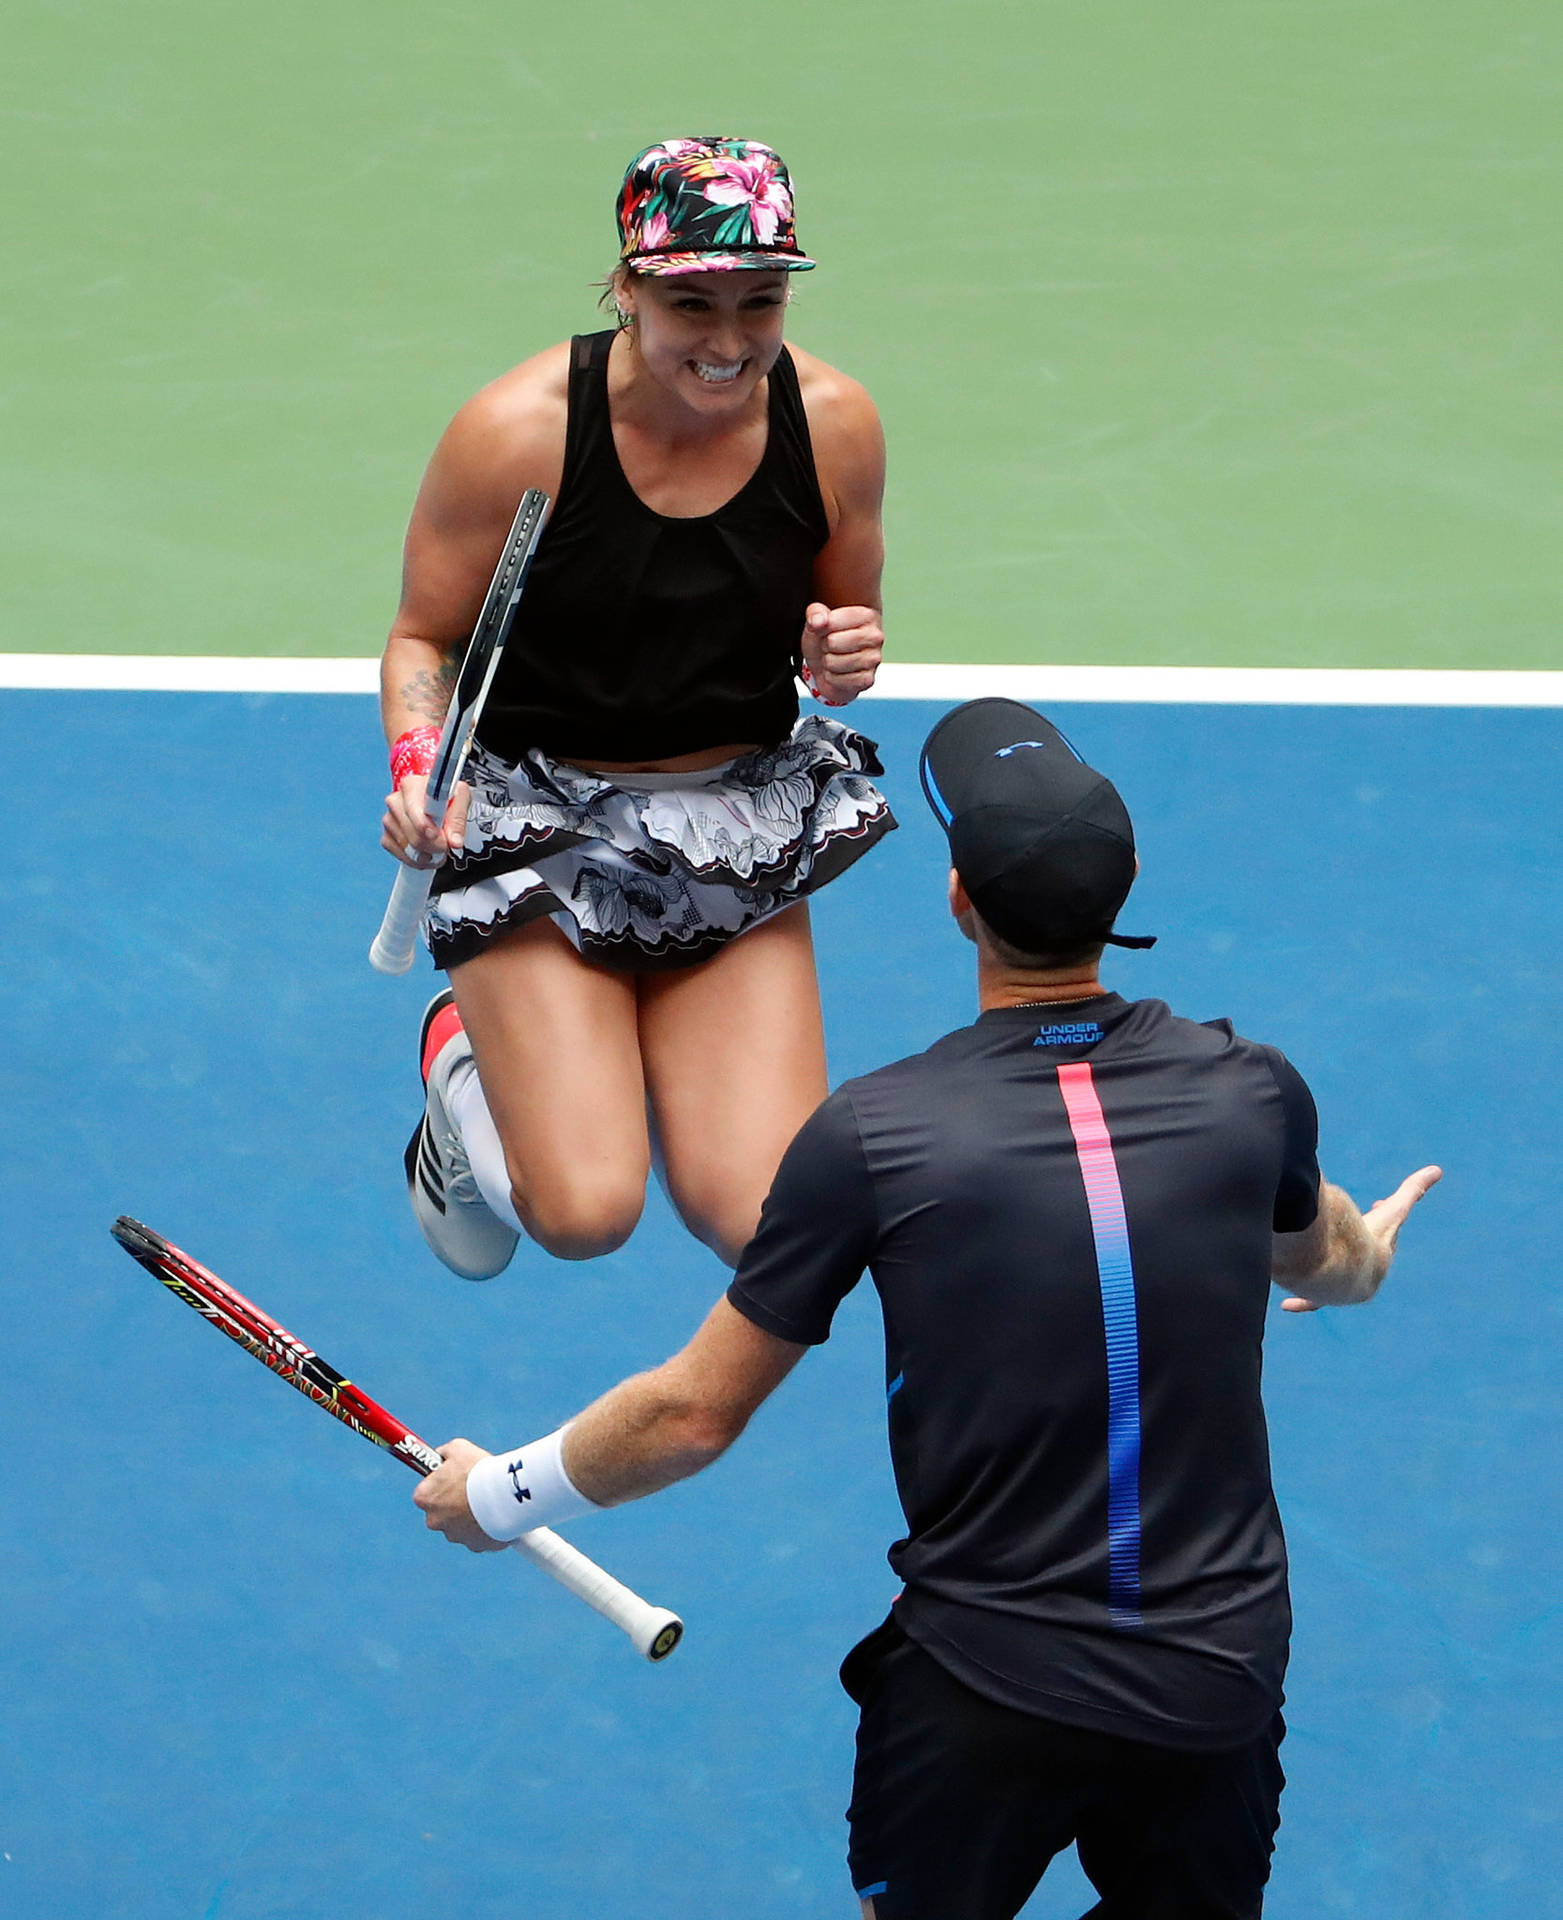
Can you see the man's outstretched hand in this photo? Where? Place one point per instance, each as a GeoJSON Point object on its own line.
{"type": "Point", "coordinates": [1375, 1232]}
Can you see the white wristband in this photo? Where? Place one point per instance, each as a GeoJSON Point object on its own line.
{"type": "Point", "coordinates": [511, 1493]}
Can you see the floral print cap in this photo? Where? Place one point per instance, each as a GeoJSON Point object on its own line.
{"type": "Point", "coordinates": [707, 205]}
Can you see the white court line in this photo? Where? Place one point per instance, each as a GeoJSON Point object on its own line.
{"type": "Point", "coordinates": [1227, 686]}
{"type": "Point", "coordinates": [898, 680]}
{"type": "Point", "coordinates": [185, 673]}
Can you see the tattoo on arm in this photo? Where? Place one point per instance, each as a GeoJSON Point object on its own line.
{"type": "Point", "coordinates": [429, 693]}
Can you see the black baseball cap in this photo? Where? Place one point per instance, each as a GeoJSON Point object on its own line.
{"type": "Point", "coordinates": [1042, 842]}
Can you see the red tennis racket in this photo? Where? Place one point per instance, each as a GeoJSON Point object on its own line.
{"type": "Point", "coordinates": [654, 1631]}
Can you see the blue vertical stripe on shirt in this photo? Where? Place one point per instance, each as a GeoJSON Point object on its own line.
{"type": "Point", "coordinates": [1120, 1319]}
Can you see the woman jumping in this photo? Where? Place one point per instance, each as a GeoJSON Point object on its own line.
{"type": "Point", "coordinates": [621, 904]}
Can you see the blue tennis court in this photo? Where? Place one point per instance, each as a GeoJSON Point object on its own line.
{"type": "Point", "coordinates": [239, 1682]}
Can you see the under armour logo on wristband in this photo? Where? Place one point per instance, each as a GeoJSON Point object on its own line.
{"type": "Point", "coordinates": [521, 1493]}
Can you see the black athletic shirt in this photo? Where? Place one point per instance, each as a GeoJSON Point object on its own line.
{"type": "Point", "coordinates": [1067, 1213]}
{"type": "Point", "coordinates": [639, 636]}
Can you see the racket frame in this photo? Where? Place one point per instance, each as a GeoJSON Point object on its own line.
{"type": "Point", "coordinates": [395, 945]}
{"type": "Point", "coordinates": [654, 1631]}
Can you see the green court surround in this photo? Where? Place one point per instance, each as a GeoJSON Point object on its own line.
{"type": "Point", "coordinates": [1212, 337]}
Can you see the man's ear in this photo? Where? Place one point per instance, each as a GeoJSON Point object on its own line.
{"type": "Point", "coordinates": [961, 908]}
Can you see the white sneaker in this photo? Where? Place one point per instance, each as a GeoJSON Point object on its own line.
{"type": "Point", "coordinates": [455, 1219]}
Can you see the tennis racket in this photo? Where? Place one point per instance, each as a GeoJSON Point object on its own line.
{"type": "Point", "coordinates": [653, 1630]}
{"type": "Point", "coordinates": [397, 941]}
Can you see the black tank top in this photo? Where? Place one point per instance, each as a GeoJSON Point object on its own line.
{"type": "Point", "coordinates": [640, 637]}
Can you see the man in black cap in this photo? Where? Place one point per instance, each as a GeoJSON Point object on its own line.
{"type": "Point", "coordinates": [1072, 1211]}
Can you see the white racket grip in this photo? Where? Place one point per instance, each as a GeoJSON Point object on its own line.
{"type": "Point", "coordinates": [397, 941]}
{"type": "Point", "coordinates": [653, 1630]}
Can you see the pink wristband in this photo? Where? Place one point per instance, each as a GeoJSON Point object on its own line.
{"type": "Point", "coordinates": [413, 752]}
{"type": "Point", "coordinates": [806, 675]}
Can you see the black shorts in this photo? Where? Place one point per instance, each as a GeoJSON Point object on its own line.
{"type": "Point", "coordinates": [958, 1804]}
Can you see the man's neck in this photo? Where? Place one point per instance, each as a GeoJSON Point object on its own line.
{"type": "Point", "coordinates": [1001, 986]}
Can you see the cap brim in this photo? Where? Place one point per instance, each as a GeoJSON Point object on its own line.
{"type": "Point", "coordinates": [753, 260]}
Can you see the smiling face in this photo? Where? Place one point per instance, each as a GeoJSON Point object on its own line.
{"type": "Point", "coordinates": [710, 338]}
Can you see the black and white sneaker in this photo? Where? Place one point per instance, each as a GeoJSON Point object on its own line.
{"type": "Point", "coordinates": [458, 1223]}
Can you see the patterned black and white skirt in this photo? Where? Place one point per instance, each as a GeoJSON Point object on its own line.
{"type": "Point", "coordinates": [649, 871]}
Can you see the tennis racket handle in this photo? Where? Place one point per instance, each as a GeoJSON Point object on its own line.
{"type": "Point", "coordinates": [653, 1630]}
{"type": "Point", "coordinates": [397, 941]}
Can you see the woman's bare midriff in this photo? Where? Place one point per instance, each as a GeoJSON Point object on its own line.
{"type": "Point", "coordinates": [676, 763]}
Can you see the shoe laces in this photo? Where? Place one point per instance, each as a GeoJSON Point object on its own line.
{"type": "Point", "coordinates": [460, 1181]}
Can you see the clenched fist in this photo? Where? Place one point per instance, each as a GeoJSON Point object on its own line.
{"type": "Point", "coordinates": [842, 648]}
